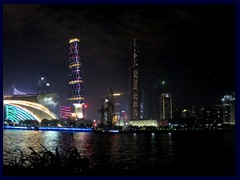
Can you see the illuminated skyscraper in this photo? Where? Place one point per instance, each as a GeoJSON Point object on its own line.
{"type": "Point", "coordinates": [135, 107]}
{"type": "Point", "coordinates": [229, 109]}
{"type": "Point", "coordinates": [75, 78]}
{"type": "Point", "coordinates": [165, 106]}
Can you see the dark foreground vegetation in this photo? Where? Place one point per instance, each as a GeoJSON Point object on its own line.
{"type": "Point", "coordinates": [72, 162]}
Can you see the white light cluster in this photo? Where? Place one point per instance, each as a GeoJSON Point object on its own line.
{"type": "Point", "coordinates": [228, 98]}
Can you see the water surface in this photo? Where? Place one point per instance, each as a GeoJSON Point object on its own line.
{"type": "Point", "coordinates": [177, 153]}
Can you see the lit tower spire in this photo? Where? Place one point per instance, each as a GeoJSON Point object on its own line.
{"type": "Point", "coordinates": [75, 77]}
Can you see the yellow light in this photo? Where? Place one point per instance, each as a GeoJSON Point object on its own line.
{"type": "Point", "coordinates": [74, 82]}
{"type": "Point", "coordinates": [115, 118]}
{"type": "Point", "coordinates": [79, 98]}
{"type": "Point", "coordinates": [73, 114]}
{"type": "Point", "coordinates": [74, 65]}
{"type": "Point", "coordinates": [73, 40]}
{"type": "Point", "coordinates": [116, 94]}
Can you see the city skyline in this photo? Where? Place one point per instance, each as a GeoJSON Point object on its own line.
{"type": "Point", "coordinates": [191, 47]}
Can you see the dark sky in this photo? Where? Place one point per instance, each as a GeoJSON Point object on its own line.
{"type": "Point", "coordinates": [191, 47]}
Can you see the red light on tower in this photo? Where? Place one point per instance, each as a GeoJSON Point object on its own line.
{"type": "Point", "coordinates": [85, 106]}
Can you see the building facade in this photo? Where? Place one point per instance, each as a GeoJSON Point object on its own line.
{"type": "Point", "coordinates": [75, 78]}
{"type": "Point", "coordinates": [135, 107]}
{"type": "Point", "coordinates": [217, 114]}
{"type": "Point", "coordinates": [65, 112]}
{"type": "Point", "coordinates": [26, 107]}
{"type": "Point", "coordinates": [165, 106]}
{"type": "Point", "coordinates": [228, 109]}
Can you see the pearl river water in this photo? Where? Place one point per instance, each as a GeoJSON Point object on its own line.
{"type": "Point", "coordinates": [166, 153]}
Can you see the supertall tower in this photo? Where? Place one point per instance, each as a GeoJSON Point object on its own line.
{"type": "Point", "coordinates": [135, 94]}
{"type": "Point", "coordinates": [75, 78]}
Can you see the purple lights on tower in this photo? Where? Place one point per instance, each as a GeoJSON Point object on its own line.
{"type": "Point", "coordinates": [75, 77]}
{"type": "Point", "coordinates": [65, 112]}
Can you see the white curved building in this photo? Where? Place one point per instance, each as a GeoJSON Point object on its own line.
{"type": "Point", "coordinates": [26, 107]}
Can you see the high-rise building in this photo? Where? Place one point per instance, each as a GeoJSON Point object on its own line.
{"type": "Point", "coordinates": [165, 106]}
{"type": "Point", "coordinates": [185, 114]}
{"type": "Point", "coordinates": [135, 107]}
{"type": "Point", "coordinates": [210, 115]}
{"type": "Point", "coordinates": [217, 114]}
{"type": "Point", "coordinates": [228, 109]}
{"type": "Point", "coordinates": [107, 109]}
{"type": "Point", "coordinates": [75, 78]}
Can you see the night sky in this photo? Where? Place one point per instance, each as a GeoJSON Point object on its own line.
{"type": "Point", "coordinates": [191, 47]}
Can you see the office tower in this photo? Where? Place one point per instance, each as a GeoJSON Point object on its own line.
{"type": "Point", "coordinates": [165, 106]}
{"type": "Point", "coordinates": [228, 109]}
{"type": "Point", "coordinates": [135, 109]}
{"type": "Point", "coordinates": [107, 109]}
{"type": "Point", "coordinates": [75, 78]}
{"type": "Point", "coordinates": [217, 114]}
{"type": "Point", "coordinates": [211, 115]}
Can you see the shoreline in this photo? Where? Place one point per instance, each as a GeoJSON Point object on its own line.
{"type": "Point", "coordinates": [116, 131]}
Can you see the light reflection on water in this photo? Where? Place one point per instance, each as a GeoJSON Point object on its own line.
{"type": "Point", "coordinates": [112, 150]}
{"type": "Point", "coordinates": [125, 151]}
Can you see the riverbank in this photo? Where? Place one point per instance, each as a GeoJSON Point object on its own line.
{"type": "Point", "coordinates": [160, 131]}
{"type": "Point", "coordinates": [48, 128]}
{"type": "Point", "coordinates": [113, 131]}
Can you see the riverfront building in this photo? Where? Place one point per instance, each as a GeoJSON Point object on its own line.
{"type": "Point", "coordinates": [144, 122]}
{"type": "Point", "coordinates": [75, 78]}
{"type": "Point", "coordinates": [135, 107]}
{"type": "Point", "coordinates": [28, 107]}
{"type": "Point", "coordinates": [228, 109]}
{"type": "Point", "coordinates": [20, 106]}
{"type": "Point", "coordinates": [65, 112]}
{"type": "Point", "coordinates": [166, 106]}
